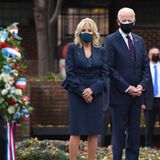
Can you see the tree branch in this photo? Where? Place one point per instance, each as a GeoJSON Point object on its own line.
{"type": "Point", "coordinates": [57, 9]}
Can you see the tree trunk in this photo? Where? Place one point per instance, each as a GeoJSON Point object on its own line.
{"type": "Point", "coordinates": [41, 22]}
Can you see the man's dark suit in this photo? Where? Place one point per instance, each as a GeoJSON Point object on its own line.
{"type": "Point", "coordinates": [125, 110]}
{"type": "Point", "coordinates": [3, 139]}
{"type": "Point", "coordinates": [152, 109]}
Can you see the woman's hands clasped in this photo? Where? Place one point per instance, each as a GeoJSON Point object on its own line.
{"type": "Point", "coordinates": [87, 95]}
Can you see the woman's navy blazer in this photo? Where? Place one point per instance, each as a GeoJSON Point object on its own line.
{"type": "Point", "coordinates": [80, 75]}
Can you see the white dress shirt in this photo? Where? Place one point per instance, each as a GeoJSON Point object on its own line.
{"type": "Point", "coordinates": [152, 74]}
{"type": "Point", "coordinates": [124, 35]}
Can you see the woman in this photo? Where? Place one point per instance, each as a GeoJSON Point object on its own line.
{"type": "Point", "coordinates": [86, 72]}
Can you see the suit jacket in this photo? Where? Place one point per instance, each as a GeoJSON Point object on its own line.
{"type": "Point", "coordinates": [148, 95]}
{"type": "Point", "coordinates": [123, 72]}
{"type": "Point", "coordinates": [80, 75]}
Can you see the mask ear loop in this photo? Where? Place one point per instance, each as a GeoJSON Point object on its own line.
{"type": "Point", "coordinates": [134, 22]}
{"type": "Point", "coordinates": [118, 22]}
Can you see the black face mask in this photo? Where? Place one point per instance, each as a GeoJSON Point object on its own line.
{"type": "Point", "coordinates": [155, 58]}
{"type": "Point", "coordinates": [127, 28]}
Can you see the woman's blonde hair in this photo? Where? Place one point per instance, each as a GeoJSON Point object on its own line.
{"type": "Point", "coordinates": [96, 35]}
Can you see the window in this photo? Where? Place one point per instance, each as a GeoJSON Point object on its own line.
{"type": "Point", "coordinates": [70, 17]}
{"type": "Point", "coordinates": [16, 12]}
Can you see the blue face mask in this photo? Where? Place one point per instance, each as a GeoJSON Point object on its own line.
{"type": "Point", "coordinates": [86, 37]}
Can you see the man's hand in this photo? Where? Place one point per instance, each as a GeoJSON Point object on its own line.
{"type": "Point", "coordinates": [143, 106]}
{"type": "Point", "coordinates": [140, 89]}
{"type": "Point", "coordinates": [134, 91]}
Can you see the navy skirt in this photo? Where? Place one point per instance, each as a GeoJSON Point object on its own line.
{"type": "Point", "coordinates": [85, 118]}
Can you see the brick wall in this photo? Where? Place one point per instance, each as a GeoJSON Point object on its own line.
{"type": "Point", "coordinates": [150, 34]}
{"type": "Point", "coordinates": [49, 100]}
{"type": "Point", "coordinates": [23, 131]}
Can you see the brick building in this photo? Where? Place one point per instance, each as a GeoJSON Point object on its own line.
{"type": "Point", "coordinates": [104, 12]}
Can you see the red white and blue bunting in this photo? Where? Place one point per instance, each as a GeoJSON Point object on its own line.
{"type": "Point", "coordinates": [11, 154]}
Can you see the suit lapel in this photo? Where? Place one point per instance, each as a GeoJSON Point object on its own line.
{"type": "Point", "coordinates": [94, 55]}
{"type": "Point", "coordinates": [135, 41]}
{"type": "Point", "coordinates": [123, 45]}
{"type": "Point", "coordinates": [81, 54]}
{"type": "Point", "coordinates": [82, 57]}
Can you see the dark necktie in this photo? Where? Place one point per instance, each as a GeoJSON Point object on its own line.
{"type": "Point", "coordinates": [155, 84]}
{"type": "Point", "coordinates": [131, 49]}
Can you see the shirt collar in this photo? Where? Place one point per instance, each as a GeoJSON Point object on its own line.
{"type": "Point", "coordinates": [124, 34]}
{"type": "Point", "coordinates": [152, 64]}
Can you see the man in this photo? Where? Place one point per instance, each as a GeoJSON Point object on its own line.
{"type": "Point", "coordinates": [151, 99]}
{"type": "Point", "coordinates": [129, 74]}
{"type": "Point", "coordinates": [3, 139]}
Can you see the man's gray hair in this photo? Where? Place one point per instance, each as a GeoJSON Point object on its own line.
{"type": "Point", "coordinates": [124, 10]}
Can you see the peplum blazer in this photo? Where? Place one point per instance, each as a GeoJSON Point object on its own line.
{"type": "Point", "coordinates": [81, 74]}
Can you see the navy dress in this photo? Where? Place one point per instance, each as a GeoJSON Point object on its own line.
{"type": "Point", "coordinates": [85, 118]}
